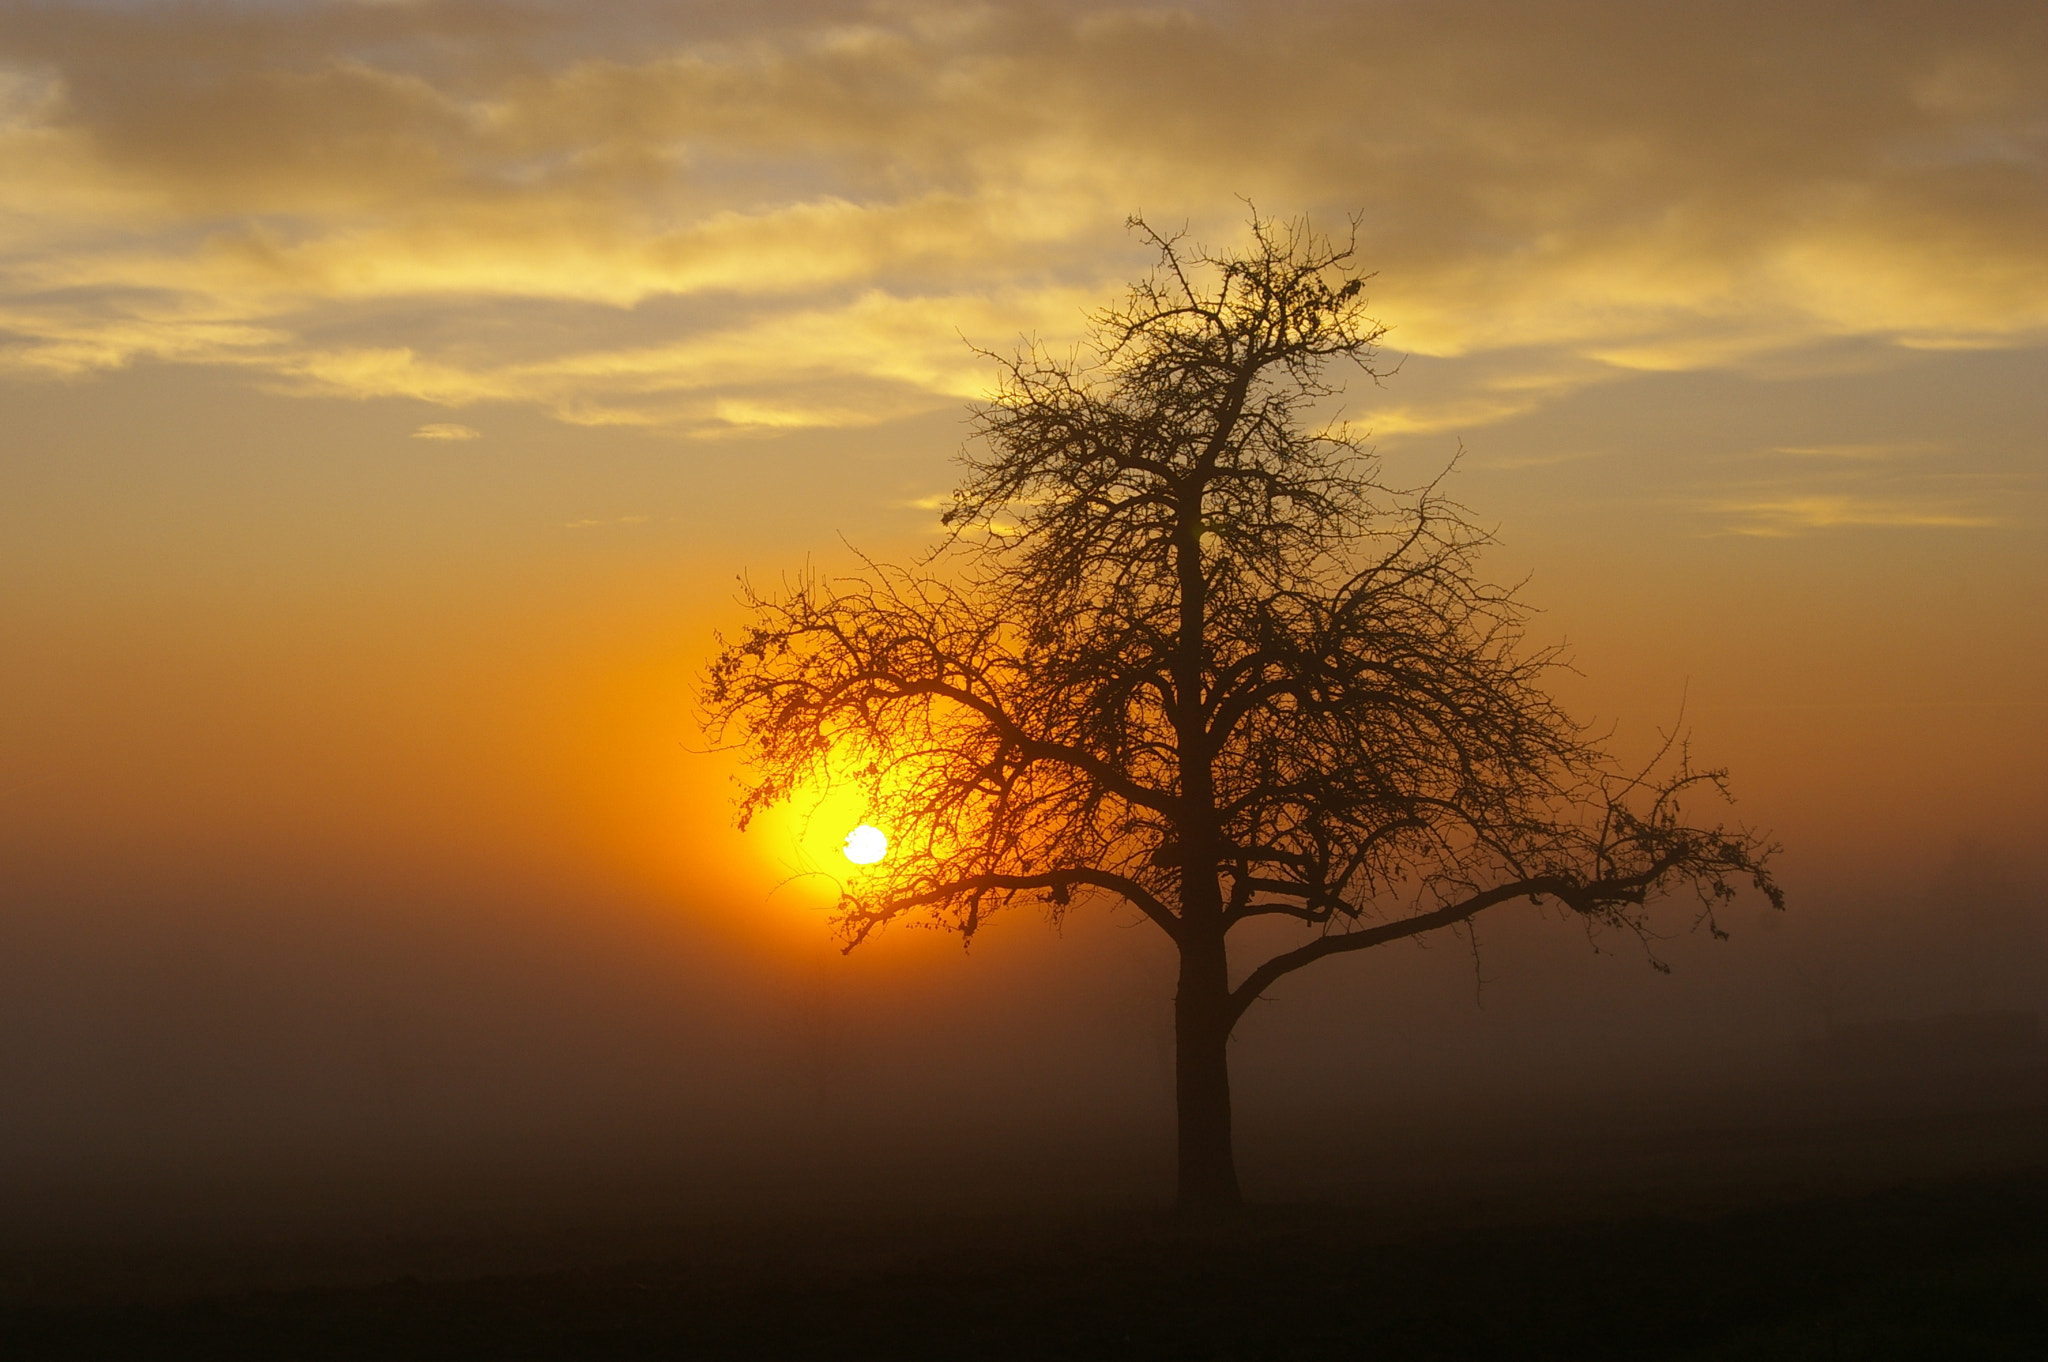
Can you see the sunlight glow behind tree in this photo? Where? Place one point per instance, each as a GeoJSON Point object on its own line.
{"type": "Point", "coordinates": [866, 845]}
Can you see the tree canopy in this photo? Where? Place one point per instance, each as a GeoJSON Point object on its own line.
{"type": "Point", "coordinates": [1183, 647]}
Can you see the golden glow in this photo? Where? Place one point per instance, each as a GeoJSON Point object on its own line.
{"type": "Point", "coordinates": [865, 845]}
{"type": "Point", "coordinates": [258, 226]}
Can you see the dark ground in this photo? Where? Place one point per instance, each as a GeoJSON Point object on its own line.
{"type": "Point", "coordinates": [1948, 1270]}
{"type": "Point", "coordinates": [1866, 1220]}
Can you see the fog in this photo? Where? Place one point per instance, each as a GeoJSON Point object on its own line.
{"type": "Point", "coordinates": [335, 1049]}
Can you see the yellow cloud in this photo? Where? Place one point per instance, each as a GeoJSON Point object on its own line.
{"type": "Point", "coordinates": [1859, 452]}
{"type": "Point", "coordinates": [1781, 516]}
{"type": "Point", "coordinates": [871, 359]}
{"type": "Point", "coordinates": [789, 226]}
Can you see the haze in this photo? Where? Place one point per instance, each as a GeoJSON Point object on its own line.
{"type": "Point", "coordinates": [393, 393]}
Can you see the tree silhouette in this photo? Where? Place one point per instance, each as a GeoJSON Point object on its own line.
{"type": "Point", "coordinates": [1184, 649]}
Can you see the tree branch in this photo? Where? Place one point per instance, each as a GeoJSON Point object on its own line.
{"type": "Point", "coordinates": [1584, 898]}
{"type": "Point", "coordinates": [1041, 750]}
{"type": "Point", "coordinates": [1059, 881]}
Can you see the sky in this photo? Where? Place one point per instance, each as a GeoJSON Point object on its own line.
{"type": "Point", "coordinates": [393, 394]}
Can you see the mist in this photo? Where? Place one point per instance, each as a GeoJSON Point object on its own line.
{"type": "Point", "coordinates": [348, 1045]}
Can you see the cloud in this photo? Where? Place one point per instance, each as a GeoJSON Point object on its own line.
{"type": "Point", "coordinates": [446, 430]}
{"type": "Point", "coordinates": [1779, 517]}
{"type": "Point", "coordinates": [1800, 489]}
{"type": "Point", "coordinates": [603, 524]}
{"type": "Point", "coordinates": [867, 359]}
{"type": "Point", "coordinates": [718, 225]}
{"type": "Point", "coordinates": [1879, 450]}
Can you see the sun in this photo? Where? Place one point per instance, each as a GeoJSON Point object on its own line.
{"type": "Point", "coordinates": [865, 845]}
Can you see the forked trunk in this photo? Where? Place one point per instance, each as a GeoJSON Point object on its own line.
{"type": "Point", "coordinates": [1208, 1169]}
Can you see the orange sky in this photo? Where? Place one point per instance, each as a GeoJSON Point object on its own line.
{"type": "Point", "coordinates": [392, 392]}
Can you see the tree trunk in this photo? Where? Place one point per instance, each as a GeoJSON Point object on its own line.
{"type": "Point", "coordinates": [1208, 1169]}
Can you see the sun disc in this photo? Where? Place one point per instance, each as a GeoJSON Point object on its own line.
{"type": "Point", "coordinates": [865, 845]}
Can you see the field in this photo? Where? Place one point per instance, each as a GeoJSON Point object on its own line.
{"type": "Point", "coordinates": [1950, 1270]}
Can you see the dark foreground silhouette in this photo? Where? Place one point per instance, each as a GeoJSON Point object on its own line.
{"type": "Point", "coordinates": [1957, 1270]}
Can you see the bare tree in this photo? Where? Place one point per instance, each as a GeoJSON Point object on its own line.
{"type": "Point", "coordinates": [1184, 650]}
